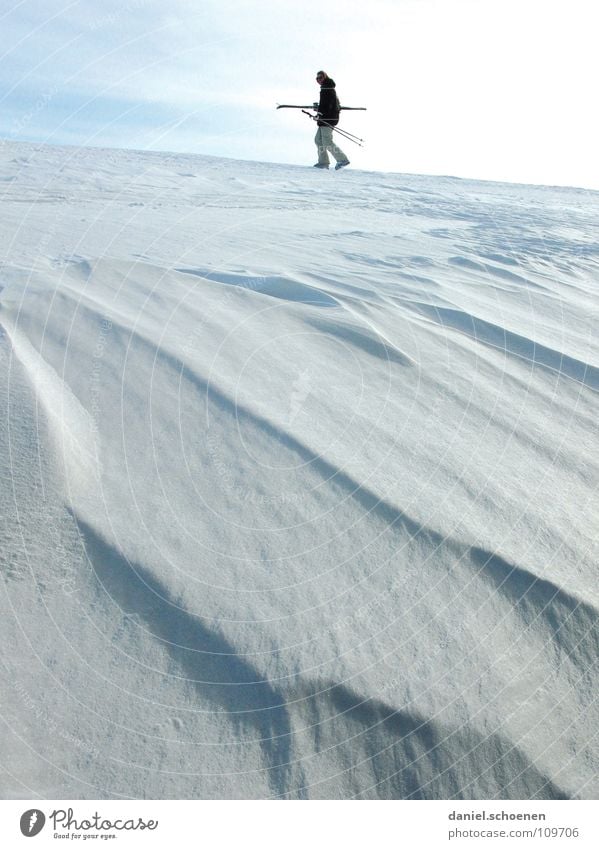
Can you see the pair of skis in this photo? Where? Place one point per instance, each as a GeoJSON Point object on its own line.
{"type": "Point", "coordinates": [311, 106]}
{"type": "Point", "coordinates": [344, 133]}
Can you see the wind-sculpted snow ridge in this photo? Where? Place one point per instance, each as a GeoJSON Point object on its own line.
{"type": "Point", "coordinates": [514, 344]}
{"type": "Point", "coordinates": [73, 426]}
{"type": "Point", "coordinates": [275, 287]}
{"type": "Point", "coordinates": [299, 480]}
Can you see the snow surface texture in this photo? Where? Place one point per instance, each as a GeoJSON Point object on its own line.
{"type": "Point", "coordinates": [299, 486]}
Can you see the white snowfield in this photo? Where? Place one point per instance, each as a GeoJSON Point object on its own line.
{"type": "Point", "coordinates": [299, 484]}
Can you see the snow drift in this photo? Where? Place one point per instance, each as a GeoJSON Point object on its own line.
{"type": "Point", "coordinates": [299, 481]}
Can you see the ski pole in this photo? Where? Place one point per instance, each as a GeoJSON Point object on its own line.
{"type": "Point", "coordinates": [341, 132]}
{"type": "Point", "coordinates": [349, 136]}
{"type": "Point", "coordinates": [345, 133]}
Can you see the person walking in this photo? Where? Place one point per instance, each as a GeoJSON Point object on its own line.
{"type": "Point", "coordinates": [327, 118]}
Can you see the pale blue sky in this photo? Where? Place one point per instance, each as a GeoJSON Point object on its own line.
{"type": "Point", "coordinates": [493, 89]}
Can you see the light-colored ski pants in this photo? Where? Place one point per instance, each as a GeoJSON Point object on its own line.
{"type": "Point", "coordinates": [325, 144]}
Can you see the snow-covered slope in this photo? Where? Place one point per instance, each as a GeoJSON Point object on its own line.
{"type": "Point", "coordinates": [299, 481]}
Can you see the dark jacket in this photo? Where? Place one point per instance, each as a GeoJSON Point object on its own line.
{"type": "Point", "coordinates": [328, 105]}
